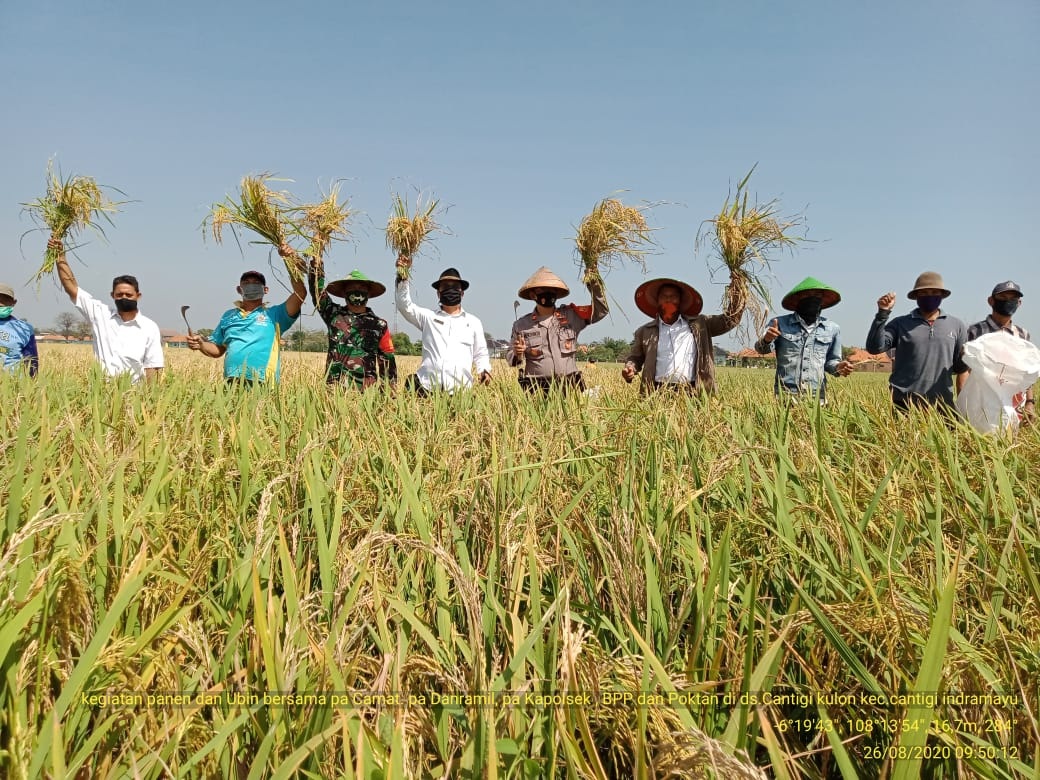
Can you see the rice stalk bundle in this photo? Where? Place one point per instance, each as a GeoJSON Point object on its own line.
{"type": "Point", "coordinates": [324, 222]}
{"type": "Point", "coordinates": [611, 234]}
{"type": "Point", "coordinates": [747, 236]}
{"type": "Point", "coordinates": [266, 212]}
{"type": "Point", "coordinates": [69, 205]}
{"type": "Point", "coordinates": [406, 232]}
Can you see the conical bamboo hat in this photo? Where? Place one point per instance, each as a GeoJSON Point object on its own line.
{"type": "Point", "coordinates": [543, 277]}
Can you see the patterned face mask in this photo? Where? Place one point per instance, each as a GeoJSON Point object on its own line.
{"type": "Point", "coordinates": [252, 291]}
{"type": "Point", "coordinates": [357, 297]}
{"type": "Point", "coordinates": [546, 299]}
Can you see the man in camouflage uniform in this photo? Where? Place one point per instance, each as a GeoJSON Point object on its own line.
{"type": "Point", "coordinates": [546, 340]}
{"type": "Point", "coordinates": [361, 351]}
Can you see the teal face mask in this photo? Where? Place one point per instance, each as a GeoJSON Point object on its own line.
{"type": "Point", "coordinates": [5, 312]}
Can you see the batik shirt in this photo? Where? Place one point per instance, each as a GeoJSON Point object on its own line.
{"type": "Point", "coordinates": [361, 351]}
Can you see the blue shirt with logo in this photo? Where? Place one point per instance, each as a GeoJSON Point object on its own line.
{"type": "Point", "coordinates": [252, 341]}
{"type": "Point", "coordinates": [18, 346]}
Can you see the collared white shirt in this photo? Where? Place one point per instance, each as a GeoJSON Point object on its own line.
{"type": "Point", "coordinates": [451, 344]}
{"type": "Point", "coordinates": [121, 346]}
{"type": "Point", "coordinates": [676, 352]}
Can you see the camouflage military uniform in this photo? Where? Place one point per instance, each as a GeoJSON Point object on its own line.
{"type": "Point", "coordinates": [361, 351]}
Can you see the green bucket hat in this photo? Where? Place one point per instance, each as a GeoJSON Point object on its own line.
{"type": "Point", "coordinates": [338, 287]}
{"type": "Point", "coordinates": [828, 294]}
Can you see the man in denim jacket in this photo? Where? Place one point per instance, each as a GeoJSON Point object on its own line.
{"type": "Point", "coordinates": [808, 345]}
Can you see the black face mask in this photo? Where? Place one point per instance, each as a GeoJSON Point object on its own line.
{"type": "Point", "coordinates": [126, 304]}
{"type": "Point", "coordinates": [452, 297]}
{"type": "Point", "coordinates": [357, 298]}
{"type": "Point", "coordinates": [929, 303]}
{"type": "Point", "coordinates": [809, 308]}
{"type": "Point", "coordinates": [545, 299]}
{"type": "Point", "coordinates": [1006, 308]}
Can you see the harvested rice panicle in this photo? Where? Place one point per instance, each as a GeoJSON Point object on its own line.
{"type": "Point", "coordinates": [747, 239]}
{"type": "Point", "coordinates": [406, 232]}
{"type": "Point", "coordinates": [610, 235]}
{"type": "Point", "coordinates": [262, 210]}
{"type": "Point", "coordinates": [69, 205]}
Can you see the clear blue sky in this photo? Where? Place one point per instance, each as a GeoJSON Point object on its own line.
{"type": "Point", "coordinates": [906, 131]}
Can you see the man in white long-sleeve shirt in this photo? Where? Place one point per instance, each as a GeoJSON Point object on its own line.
{"type": "Point", "coordinates": [452, 339]}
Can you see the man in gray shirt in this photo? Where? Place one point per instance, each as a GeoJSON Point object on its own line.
{"type": "Point", "coordinates": [927, 344]}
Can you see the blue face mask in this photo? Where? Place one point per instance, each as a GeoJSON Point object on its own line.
{"type": "Point", "coordinates": [5, 312]}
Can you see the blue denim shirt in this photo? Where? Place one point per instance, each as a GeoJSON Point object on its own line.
{"type": "Point", "coordinates": [805, 354]}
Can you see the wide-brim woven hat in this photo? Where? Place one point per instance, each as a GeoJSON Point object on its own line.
{"type": "Point", "coordinates": [929, 280]}
{"type": "Point", "coordinates": [543, 277]}
{"type": "Point", "coordinates": [339, 287]}
{"type": "Point", "coordinates": [450, 275]}
{"type": "Point", "coordinates": [811, 284]}
{"type": "Point", "coordinates": [690, 301]}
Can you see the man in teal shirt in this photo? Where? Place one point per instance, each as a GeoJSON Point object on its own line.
{"type": "Point", "coordinates": [248, 336]}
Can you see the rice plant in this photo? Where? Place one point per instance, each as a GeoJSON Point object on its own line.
{"type": "Point", "coordinates": [361, 585]}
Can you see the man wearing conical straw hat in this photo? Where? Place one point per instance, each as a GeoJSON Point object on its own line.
{"type": "Point", "coordinates": [807, 344]}
{"type": "Point", "coordinates": [545, 342]}
{"type": "Point", "coordinates": [928, 344]}
{"type": "Point", "coordinates": [361, 351]}
{"type": "Point", "coordinates": [674, 350]}
{"type": "Point", "coordinates": [453, 340]}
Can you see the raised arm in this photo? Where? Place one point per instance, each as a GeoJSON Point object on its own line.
{"type": "Point", "coordinates": [294, 303]}
{"type": "Point", "coordinates": [732, 311]}
{"type": "Point", "coordinates": [65, 275]}
{"type": "Point", "coordinates": [881, 338]}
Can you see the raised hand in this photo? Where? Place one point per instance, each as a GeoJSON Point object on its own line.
{"type": "Point", "coordinates": [772, 333]}
{"type": "Point", "coordinates": [886, 302]}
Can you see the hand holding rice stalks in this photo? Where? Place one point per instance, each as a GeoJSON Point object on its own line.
{"type": "Point", "coordinates": [746, 238]}
{"type": "Point", "coordinates": [69, 206]}
{"type": "Point", "coordinates": [611, 234]}
{"type": "Point", "coordinates": [405, 234]}
{"type": "Point", "coordinates": [264, 211]}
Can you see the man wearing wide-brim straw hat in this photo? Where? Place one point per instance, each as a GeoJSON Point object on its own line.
{"type": "Point", "coordinates": [674, 350]}
{"type": "Point", "coordinates": [453, 340]}
{"type": "Point", "coordinates": [807, 344]}
{"type": "Point", "coordinates": [545, 341]}
{"type": "Point", "coordinates": [361, 350]}
{"type": "Point", "coordinates": [927, 343]}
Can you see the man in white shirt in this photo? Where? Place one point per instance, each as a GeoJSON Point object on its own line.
{"type": "Point", "coordinates": [125, 341]}
{"type": "Point", "coordinates": [452, 339]}
{"type": "Point", "coordinates": [674, 350]}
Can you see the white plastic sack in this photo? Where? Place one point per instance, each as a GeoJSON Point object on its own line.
{"type": "Point", "coordinates": [1001, 366]}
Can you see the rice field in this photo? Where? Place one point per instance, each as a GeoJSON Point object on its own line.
{"type": "Point", "coordinates": [199, 581]}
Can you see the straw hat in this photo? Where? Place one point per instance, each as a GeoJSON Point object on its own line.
{"type": "Point", "coordinates": [929, 280]}
{"type": "Point", "coordinates": [543, 277]}
{"type": "Point", "coordinates": [339, 287]}
{"type": "Point", "coordinates": [828, 294]}
{"type": "Point", "coordinates": [450, 275]}
{"type": "Point", "coordinates": [690, 302]}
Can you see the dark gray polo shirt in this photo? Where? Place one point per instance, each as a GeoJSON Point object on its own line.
{"type": "Point", "coordinates": [925, 354]}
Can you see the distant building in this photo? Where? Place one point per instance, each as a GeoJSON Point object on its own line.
{"type": "Point", "coordinates": [863, 361]}
{"type": "Point", "coordinates": [748, 358]}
